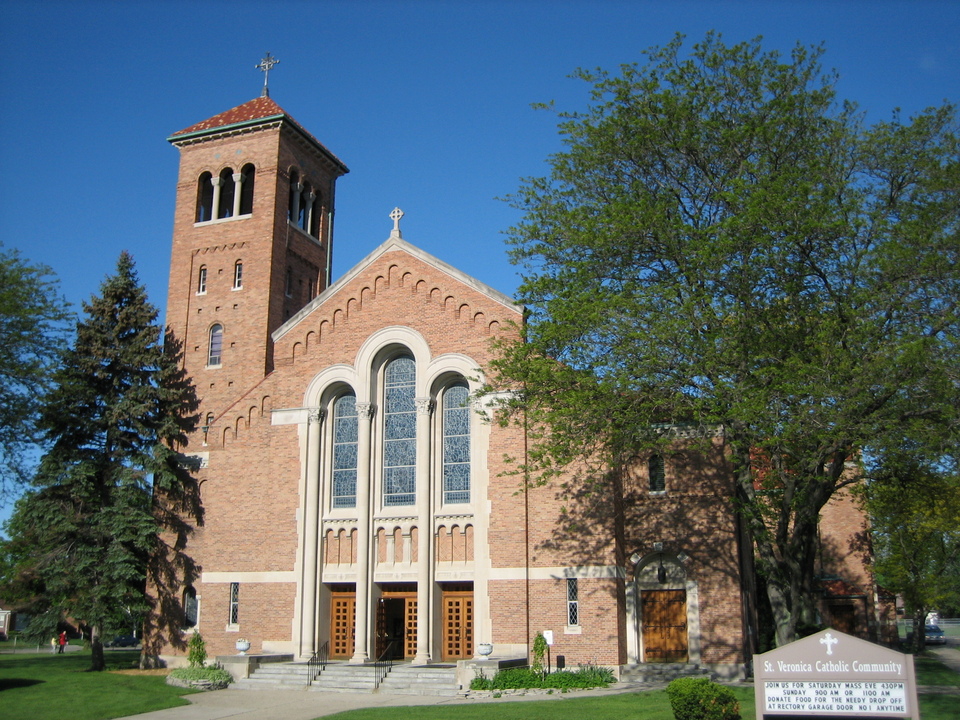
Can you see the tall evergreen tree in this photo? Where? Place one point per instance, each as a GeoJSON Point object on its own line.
{"type": "Point", "coordinates": [120, 407]}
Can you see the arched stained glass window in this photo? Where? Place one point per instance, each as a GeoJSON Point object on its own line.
{"type": "Point", "coordinates": [399, 432]}
{"type": "Point", "coordinates": [456, 444]}
{"type": "Point", "coordinates": [344, 487]}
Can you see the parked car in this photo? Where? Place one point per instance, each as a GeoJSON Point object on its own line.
{"type": "Point", "coordinates": [123, 641]}
{"type": "Point", "coordinates": [934, 635]}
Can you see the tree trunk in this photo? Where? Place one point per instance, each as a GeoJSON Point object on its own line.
{"type": "Point", "coordinates": [97, 662]}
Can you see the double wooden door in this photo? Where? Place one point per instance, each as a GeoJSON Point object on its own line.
{"type": "Point", "coordinates": [457, 625]}
{"type": "Point", "coordinates": [343, 623]}
{"type": "Point", "coordinates": [397, 626]}
{"type": "Point", "coordinates": [664, 618]}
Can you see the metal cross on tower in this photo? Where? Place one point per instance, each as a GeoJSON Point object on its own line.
{"type": "Point", "coordinates": [266, 65]}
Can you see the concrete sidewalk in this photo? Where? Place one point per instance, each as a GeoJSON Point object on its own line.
{"type": "Point", "coordinates": [305, 705]}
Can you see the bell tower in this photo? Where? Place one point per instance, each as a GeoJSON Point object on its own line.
{"type": "Point", "coordinates": [252, 241]}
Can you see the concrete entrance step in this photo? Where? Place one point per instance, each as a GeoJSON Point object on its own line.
{"type": "Point", "coordinates": [422, 680]}
{"type": "Point", "coordinates": [344, 677]}
{"type": "Point", "coordinates": [275, 676]}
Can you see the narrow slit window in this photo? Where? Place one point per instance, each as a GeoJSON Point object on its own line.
{"type": "Point", "coordinates": [573, 601]}
{"type": "Point", "coordinates": [237, 275]}
{"type": "Point", "coordinates": [234, 617]}
{"type": "Point", "coordinates": [655, 468]}
{"type": "Point", "coordinates": [190, 607]}
{"type": "Point", "coordinates": [216, 345]}
{"type": "Point", "coordinates": [202, 280]}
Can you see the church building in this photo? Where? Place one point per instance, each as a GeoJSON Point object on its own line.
{"type": "Point", "coordinates": [357, 500]}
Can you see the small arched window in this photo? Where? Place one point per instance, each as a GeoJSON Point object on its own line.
{"type": "Point", "coordinates": [190, 607]}
{"type": "Point", "coordinates": [306, 200]}
{"type": "Point", "coordinates": [216, 345]}
{"type": "Point", "coordinates": [314, 228]}
{"type": "Point", "coordinates": [205, 198]}
{"type": "Point", "coordinates": [293, 210]}
{"type": "Point", "coordinates": [249, 173]}
{"type": "Point", "coordinates": [344, 486]}
{"type": "Point", "coordinates": [400, 432]}
{"type": "Point", "coordinates": [237, 275]}
{"type": "Point", "coordinates": [655, 469]}
{"type": "Point", "coordinates": [456, 443]}
{"type": "Point", "coordinates": [227, 190]}
{"type": "Point", "coordinates": [202, 280]}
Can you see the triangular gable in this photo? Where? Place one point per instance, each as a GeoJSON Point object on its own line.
{"type": "Point", "coordinates": [395, 244]}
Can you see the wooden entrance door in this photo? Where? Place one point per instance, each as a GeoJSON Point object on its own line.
{"type": "Point", "coordinates": [457, 626]}
{"type": "Point", "coordinates": [397, 625]}
{"type": "Point", "coordinates": [343, 623]}
{"type": "Point", "coordinates": [664, 617]}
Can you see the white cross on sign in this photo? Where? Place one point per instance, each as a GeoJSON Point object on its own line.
{"type": "Point", "coordinates": [395, 215]}
{"type": "Point", "coordinates": [829, 640]}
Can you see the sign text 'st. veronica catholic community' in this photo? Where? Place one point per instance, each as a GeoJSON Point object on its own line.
{"type": "Point", "coordinates": [832, 673]}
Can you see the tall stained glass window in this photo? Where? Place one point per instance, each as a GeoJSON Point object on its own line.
{"type": "Point", "coordinates": [400, 432]}
{"type": "Point", "coordinates": [345, 452]}
{"type": "Point", "coordinates": [456, 444]}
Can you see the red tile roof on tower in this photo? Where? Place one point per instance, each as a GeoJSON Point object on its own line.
{"type": "Point", "coordinates": [256, 109]}
{"type": "Point", "coordinates": [260, 108]}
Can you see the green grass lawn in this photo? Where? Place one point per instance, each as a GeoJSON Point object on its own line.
{"type": "Point", "coordinates": [53, 687]}
{"type": "Point", "coordinates": [652, 705]}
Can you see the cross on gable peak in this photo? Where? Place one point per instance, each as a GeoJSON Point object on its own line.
{"type": "Point", "coordinates": [395, 215]}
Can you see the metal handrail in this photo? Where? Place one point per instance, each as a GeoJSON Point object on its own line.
{"type": "Point", "coordinates": [317, 662]}
{"type": "Point", "coordinates": [381, 666]}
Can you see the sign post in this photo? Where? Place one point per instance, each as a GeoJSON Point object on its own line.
{"type": "Point", "coordinates": [835, 674]}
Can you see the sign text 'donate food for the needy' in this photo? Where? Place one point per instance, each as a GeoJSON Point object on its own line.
{"type": "Point", "coordinates": [835, 674]}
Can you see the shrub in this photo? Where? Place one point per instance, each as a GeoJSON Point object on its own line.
{"type": "Point", "coordinates": [197, 655]}
{"type": "Point", "coordinates": [702, 699]}
{"type": "Point", "coordinates": [521, 678]}
{"type": "Point", "coordinates": [539, 650]}
{"type": "Point", "coordinates": [481, 682]}
{"type": "Point", "coordinates": [211, 678]}
{"type": "Point", "coordinates": [516, 678]}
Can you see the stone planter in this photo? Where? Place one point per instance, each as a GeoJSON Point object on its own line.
{"type": "Point", "coordinates": [484, 649]}
{"type": "Point", "coordinates": [243, 646]}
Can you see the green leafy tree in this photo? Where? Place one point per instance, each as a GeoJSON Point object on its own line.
{"type": "Point", "coordinates": [914, 507]}
{"type": "Point", "coordinates": [721, 242]}
{"type": "Point", "coordinates": [120, 407]}
{"type": "Point", "coordinates": [33, 323]}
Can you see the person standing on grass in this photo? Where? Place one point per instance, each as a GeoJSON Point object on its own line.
{"type": "Point", "coordinates": [53, 645]}
{"type": "Point", "coordinates": [63, 641]}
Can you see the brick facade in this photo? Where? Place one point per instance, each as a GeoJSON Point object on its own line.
{"type": "Point", "coordinates": [265, 451]}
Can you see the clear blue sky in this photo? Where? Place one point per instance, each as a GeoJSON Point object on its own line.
{"type": "Point", "coordinates": [428, 104]}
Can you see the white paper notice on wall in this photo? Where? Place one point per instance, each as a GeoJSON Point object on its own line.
{"type": "Point", "coordinates": [548, 636]}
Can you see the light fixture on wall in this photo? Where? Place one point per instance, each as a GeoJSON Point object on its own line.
{"type": "Point", "coordinates": [661, 572]}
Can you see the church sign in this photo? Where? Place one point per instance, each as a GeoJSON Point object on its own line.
{"type": "Point", "coordinates": [835, 674]}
